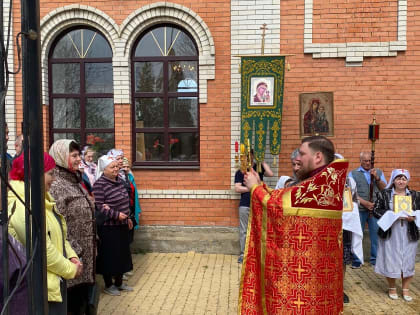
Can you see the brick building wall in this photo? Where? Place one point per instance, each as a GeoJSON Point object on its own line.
{"type": "Point", "coordinates": [349, 66]}
{"type": "Point", "coordinates": [387, 86]}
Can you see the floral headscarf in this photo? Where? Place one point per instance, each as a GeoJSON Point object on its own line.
{"type": "Point", "coordinates": [115, 153]}
{"type": "Point", "coordinates": [60, 151]}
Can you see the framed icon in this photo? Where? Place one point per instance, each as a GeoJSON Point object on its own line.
{"type": "Point", "coordinates": [347, 200]}
{"type": "Point", "coordinates": [262, 91]}
{"type": "Point", "coordinates": [316, 114]}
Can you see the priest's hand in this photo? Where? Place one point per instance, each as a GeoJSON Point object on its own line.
{"type": "Point", "coordinates": [251, 178]}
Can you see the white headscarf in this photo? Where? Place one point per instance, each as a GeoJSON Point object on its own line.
{"type": "Point", "coordinates": [103, 162]}
{"type": "Point", "coordinates": [395, 173]}
{"type": "Point", "coordinates": [282, 181]}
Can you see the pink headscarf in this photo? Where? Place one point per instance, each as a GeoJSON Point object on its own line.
{"type": "Point", "coordinates": [18, 169]}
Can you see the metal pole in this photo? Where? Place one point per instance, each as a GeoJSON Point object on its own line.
{"type": "Point", "coordinates": [31, 72]}
{"type": "Point", "coordinates": [3, 144]}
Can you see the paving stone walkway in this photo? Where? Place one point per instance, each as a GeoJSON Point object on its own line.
{"type": "Point", "coordinates": [192, 283]}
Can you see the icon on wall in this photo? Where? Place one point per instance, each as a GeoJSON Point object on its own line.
{"type": "Point", "coordinates": [316, 114]}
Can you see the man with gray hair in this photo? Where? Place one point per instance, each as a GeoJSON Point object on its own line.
{"type": "Point", "coordinates": [362, 177]}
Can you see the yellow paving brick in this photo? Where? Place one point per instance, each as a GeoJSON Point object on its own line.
{"type": "Point", "coordinates": [194, 284]}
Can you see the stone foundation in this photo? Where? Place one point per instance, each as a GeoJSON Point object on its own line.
{"type": "Point", "coordinates": [179, 239]}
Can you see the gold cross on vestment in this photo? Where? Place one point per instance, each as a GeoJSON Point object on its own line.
{"type": "Point", "coordinates": [271, 267]}
{"type": "Point", "coordinates": [324, 302]}
{"type": "Point", "coordinates": [301, 237]}
{"type": "Point", "coordinates": [263, 28]}
{"type": "Point", "coordinates": [298, 303]}
{"type": "Point", "coordinates": [326, 269]}
{"type": "Point", "coordinates": [299, 270]}
{"type": "Point", "coordinates": [328, 238]}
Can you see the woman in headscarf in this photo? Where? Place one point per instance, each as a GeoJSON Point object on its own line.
{"type": "Point", "coordinates": [62, 261]}
{"type": "Point", "coordinates": [111, 198]}
{"type": "Point", "coordinates": [118, 155]}
{"type": "Point", "coordinates": [397, 246]}
{"type": "Point", "coordinates": [89, 167]}
{"type": "Point", "coordinates": [77, 207]}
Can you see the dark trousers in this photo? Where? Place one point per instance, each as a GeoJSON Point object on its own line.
{"type": "Point", "coordinates": [77, 299]}
{"type": "Point", "coordinates": [117, 282]}
{"type": "Point", "coordinates": [59, 308]}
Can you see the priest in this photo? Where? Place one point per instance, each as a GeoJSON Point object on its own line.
{"type": "Point", "coordinates": [294, 251]}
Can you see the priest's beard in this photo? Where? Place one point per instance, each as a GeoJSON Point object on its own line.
{"type": "Point", "coordinates": [305, 171]}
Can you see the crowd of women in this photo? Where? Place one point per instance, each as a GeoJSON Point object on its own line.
{"type": "Point", "coordinates": [91, 212]}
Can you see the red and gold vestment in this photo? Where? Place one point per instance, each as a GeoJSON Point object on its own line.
{"type": "Point", "coordinates": [294, 256]}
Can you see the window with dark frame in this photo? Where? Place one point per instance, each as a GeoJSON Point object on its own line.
{"type": "Point", "coordinates": [165, 110]}
{"type": "Point", "coordinates": [81, 89]}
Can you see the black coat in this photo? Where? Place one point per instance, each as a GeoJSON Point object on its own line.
{"type": "Point", "coordinates": [382, 206]}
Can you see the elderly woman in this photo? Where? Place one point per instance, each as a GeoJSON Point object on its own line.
{"type": "Point", "coordinates": [89, 167]}
{"type": "Point", "coordinates": [62, 261]}
{"type": "Point", "coordinates": [398, 245]}
{"type": "Point", "coordinates": [76, 206]}
{"type": "Point", "coordinates": [117, 155]}
{"type": "Point", "coordinates": [111, 198]}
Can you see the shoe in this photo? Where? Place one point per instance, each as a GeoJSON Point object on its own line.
{"type": "Point", "coordinates": [112, 290]}
{"type": "Point", "coordinates": [356, 266]}
{"type": "Point", "coordinates": [406, 297]}
{"type": "Point", "coordinates": [240, 259]}
{"type": "Point", "coordinates": [124, 287]}
{"type": "Point", "coordinates": [393, 296]}
{"type": "Point", "coordinates": [125, 278]}
{"type": "Point", "coordinates": [129, 274]}
{"type": "Point", "coordinates": [346, 298]}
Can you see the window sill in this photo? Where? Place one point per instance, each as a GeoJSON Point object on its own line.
{"type": "Point", "coordinates": [165, 167]}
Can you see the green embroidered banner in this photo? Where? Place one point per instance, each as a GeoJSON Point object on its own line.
{"type": "Point", "coordinates": [262, 84]}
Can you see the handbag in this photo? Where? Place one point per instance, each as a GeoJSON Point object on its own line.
{"type": "Point", "coordinates": [100, 217]}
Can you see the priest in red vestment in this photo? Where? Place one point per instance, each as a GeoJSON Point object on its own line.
{"type": "Point", "coordinates": [294, 252]}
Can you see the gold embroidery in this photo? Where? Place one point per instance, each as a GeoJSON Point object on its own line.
{"type": "Point", "coordinates": [299, 303]}
{"type": "Point", "coordinates": [340, 239]}
{"type": "Point", "coordinates": [324, 194]}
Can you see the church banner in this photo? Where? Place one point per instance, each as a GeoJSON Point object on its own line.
{"type": "Point", "coordinates": [262, 84]}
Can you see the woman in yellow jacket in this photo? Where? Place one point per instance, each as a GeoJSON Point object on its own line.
{"type": "Point", "coordinates": [62, 261]}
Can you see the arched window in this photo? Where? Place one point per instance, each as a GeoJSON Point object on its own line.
{"type": "Point", "coordinates": [165, 98]}
{"type": "Point", "coordinates": [81, 89]}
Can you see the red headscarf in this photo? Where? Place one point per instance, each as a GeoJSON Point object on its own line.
{"type": "Point", "coordinates": [17, 172]}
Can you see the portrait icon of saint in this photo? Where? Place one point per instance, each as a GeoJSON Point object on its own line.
{"type": "Point", "coordinates": [315, 119]}
{"type": "Point", "coordinates": [261, 91]}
